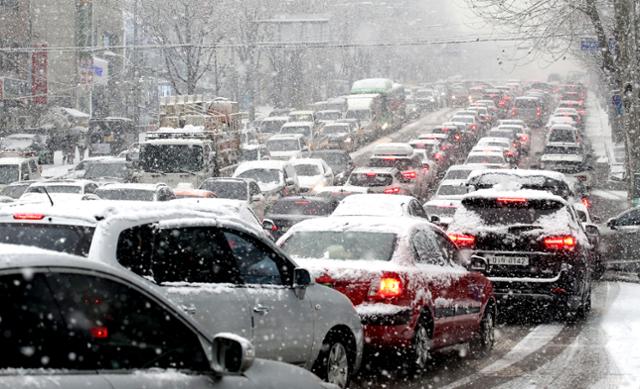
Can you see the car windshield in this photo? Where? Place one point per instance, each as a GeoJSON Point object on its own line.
{"type": "Point", "coordinates": [171, 158]}
{"type": "Point", "coordinates": [276, 145]}
{"type": "Point", "coordinates": [340, 245]}
{"type": "Point", "coordinates": [558, 135]}
{"type": "Point", "coordinates": [262, 175]}
{"type": "Point", "coordinates": [68, 239]}
{"type": "Point", "coordinates": [501, 134]}
{"type": "Point", "coordinates": [9, 174]}
{"type": "Point", "coordinates": [106, 170]}
{"type": "Point", "coordinates": [526, 104]}
{"type": "Point", "coordinates": [400, 163]}
{"type": "Point", "coordinates": [227, 189]}
{"type": "Point", "coordinates": [457, 174]}
{"type": "Point", "coordinates": [307, 170]}
{"type": "Point", "coordinates": [52, 188]}
{"type": "Point", "coordinates": [271, 126]}
{"type": "Point", "coordinates": [359, 115]}
{"type": "Point", "coordinates": [305, 131]}
{"type": "Point", "coordinates": [126, 194]}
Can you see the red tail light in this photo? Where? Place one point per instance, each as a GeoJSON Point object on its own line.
{"type": "Point", "coordinates": [393, 190]}
{"type": "Point", "coordinates": [563, 242]}
{"type": "Point", "coordinates": [511, 200]}
{"type": "Point", "coordinates": [302, 202]}
{"type": "Point", "coordinates": [509, 154]}
{"type": "Point", "coordinates": [474, 127]}
{"type": "Point", "coordinates": [463, 240]}
{"type": "Point", "coordinates": [586, 202]}
{"type": "Point", "coordinates": [371, 174]}
{"type": "Point", "coordinates": [409, 175]}
{"type": "Point", "coordinates": [388, 286]}
{"type": "Point", "coordinates": [437, 156]}
{"type": "Point", "coordinates": [99, 332]}
{"type": "Point", "coordinates": [456, 137]}
{"type": "Point", "coordinates": [28, 216]}
{"type": "Point", "coordinates": [514, 112]}
{"type": "Point", "coordinates": [538, 111]}
{"type": "Point", "coordinates": [502, 103]}
{"type": "Point", "coordinates": [524, 138]}
{"type": "Point", "coordinates": [389, 158]}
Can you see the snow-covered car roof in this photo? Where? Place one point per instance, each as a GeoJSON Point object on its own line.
{"type": "Point", "coordinates": [275, 119]}
{"type": "Point", "coordinates": [285, 136]}
{"type": "Point", "coordinates": [487, 153]}
{"type": "Point", "coordinates": [381, 170]}
{"type": "Point", "coordinates": [297, 124]}
{"type": "Point", "coordinates": [433, 136]}
{"type": "Point", "coordinates": [261, 165]}
{"type": "Point", "coordinates": [493, 139]}
{"type": "Point", "coordinates": [174, 141]}
{"type": "Point", "coordinates": [301, 112]}
{"type": "Point", "coordinates": [529, 194]}
{"type": "Point", "coordinates": [130, 186]}
{"type": "Point", "coordinates": [466, 167]}
{"type": "Point", "coordinates": [340, 189]}
{"type": "Point", "coordinates": [307, 161]}
{"type": "Point", "coordinates": [393, 149]}
{"type": "Point", "coordinates": [453, 203]}
{"type": "Point", "coordinates": [518, 173]}
{"type": "Point", "coordinates": [567, 127]}
{"type": "Point", "coordinates": [398, 225]}
{"type": "Point", "coordinates": [373, 205]}
{"type": "Point", "coordinates": [562, 158]}
{"type": "Point", "coordinates": [13, 160]}
{"type": "Point", "coordinates": [484, 148]}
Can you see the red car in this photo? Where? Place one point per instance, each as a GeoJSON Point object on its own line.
{"type": "Point", "coordinates": [404, 277]}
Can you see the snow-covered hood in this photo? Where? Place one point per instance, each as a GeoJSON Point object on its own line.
{"type": "Point", "coordinates": [347, 269]}
{"type": "Point", "coordinates": [270, 187]}
{"type": "Point", "coordinates": [284, 155]}
{"type": "Point", "coordinates": [309, 182]}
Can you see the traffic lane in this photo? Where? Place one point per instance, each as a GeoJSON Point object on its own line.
{"type": "Point", "coordinates": [600, 351]}
{"type": "Point", "coordinates": [405, 134]}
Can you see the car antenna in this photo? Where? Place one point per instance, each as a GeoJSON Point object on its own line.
{"type": "Point", "coordinates": [44, 189]}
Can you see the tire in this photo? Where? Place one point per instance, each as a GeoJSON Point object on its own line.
{"type": "Point", "coordinates": [483, 342]}
{"type": "Point", "coordinates": [417, 357]}
{"type": "Point", "coordinates": [333, 364]}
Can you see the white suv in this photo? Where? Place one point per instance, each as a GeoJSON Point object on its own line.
{"type": "Point", "coordinates": [207, 263]}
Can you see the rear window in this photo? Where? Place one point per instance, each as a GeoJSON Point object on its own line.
{"type": "Point", "coordinates": [562, 150]}
{"type": "Point", "coordinates": [562, 136]}
{"type": "Point", "coordinates": [527, 104]}
{"type": "Point", "coordinates": [351, 245]}
{"type": "Point", "coordinates": [457, 174]}
{"type": "Point", "coordinates": [494, 212]}
{"type": "Point", "coordinates": [74, 240]}
{"type": "Point", "coordinates": [370, 179]}
{"type": "Point", "coordinates": [302, 207]}
{"type": "Point", "coordinates": [399, 163]}
{"type": "Point", "coordinates": [485, 159]}
{"type": "Point", "coordinates": [55, 189]}
{"type": "Point", "coordinates": [432, 210]}
{"type": "Point", "coordinates": [227, 189]}
{"type": "Point", "coordinates": [452, 190]}
{"type": "Point", "coordinates": [308, 170]}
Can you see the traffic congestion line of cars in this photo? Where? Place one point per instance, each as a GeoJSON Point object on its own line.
{"type": "Point", "coordinates": [416, 251]}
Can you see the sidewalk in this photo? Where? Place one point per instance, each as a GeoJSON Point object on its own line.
{"type": "Point", "coordinates": [598, 130]}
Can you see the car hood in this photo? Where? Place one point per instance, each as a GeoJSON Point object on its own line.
{"type": "Point", "coordinates": [270, 187]}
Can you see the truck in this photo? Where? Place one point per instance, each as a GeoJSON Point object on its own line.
{"type": "Point", "coordinates": [379, 103]}
{"type": "Point", "coordinates": [198, 137]}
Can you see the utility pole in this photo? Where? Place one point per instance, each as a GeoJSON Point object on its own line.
{"type": "Point", "coordinates": [135, 54]}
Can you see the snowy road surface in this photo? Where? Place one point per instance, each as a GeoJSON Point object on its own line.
{"type": "Point", "coordinates": [600, 352]}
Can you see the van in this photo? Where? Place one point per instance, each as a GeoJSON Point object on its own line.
{"type": "Point", "coordinates": [17, 170]}
{"type": "Point", "coordinates": [528, 109]}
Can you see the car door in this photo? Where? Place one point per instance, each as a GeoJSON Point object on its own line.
{"type": "Point", "coordinates": [445, 284]}
{"type": "Point", "coordinates": [623, 240]}
{"type": "Point", "coordinates": [283, 319]}
{"type": "Point", "coordinates": [195, 269]}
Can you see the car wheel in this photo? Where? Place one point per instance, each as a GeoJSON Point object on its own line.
{"type": "Point", "coordinates": [420, 352]}
{"type": "Point", "coordinates": [333, 363]}
{"type": "Point", "coordinates": [484, 340]}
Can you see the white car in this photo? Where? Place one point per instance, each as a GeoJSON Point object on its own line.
{"type": "Point", "coordinates": [61, 190]}
{"type": "Point", "coordinates": [137, 338]}
{"type": "Point", "coordinates": [246, 190]}
{"type": "Point", "coordinates": [274, 178]}
{"type": "Point", "coordinates": [490, 159]}
{"type": "Point", "coordinates": [286, 147]}
{"type": "Point", "coordinates": [208, 263]}
{"type": "Point", "coordinates": [441, 211]}
{"type": "Point", "coordinates": [379, 205]}
{"type": "Point", "coordinates": [18, 170]}
{"type": "Point", "coordinates": [451, 190]}
{"type": "Point", "coordinates": [312, 173]}
{"type": "Point", "coordinates": [461, 172]}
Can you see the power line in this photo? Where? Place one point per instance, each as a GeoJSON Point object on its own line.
{"type": "Point", "coordinates": [291, 45]}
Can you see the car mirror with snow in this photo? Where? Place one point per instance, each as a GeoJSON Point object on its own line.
{"type": "Point", "coordinates": [591, 229]}
{"type": "Point", "coordinates": [231, 354]}
{"type": "Point", "coordinates": [268, 225]}
{"type": "Point", "coordinates": [256, 198]}
{"type": "Point", "coordinates": [611, 223]}
{"type": "Point", "coordinates": [290, 182]}
{"type": "Point", "coordinates": [477, 263]}
{"type": "Point", "coordinates": [301, 278]}
{"type": "Point", "coordinates": [434, 219]}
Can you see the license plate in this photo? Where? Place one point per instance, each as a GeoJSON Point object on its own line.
{"type": "Point", "coordinates": [508, 261]}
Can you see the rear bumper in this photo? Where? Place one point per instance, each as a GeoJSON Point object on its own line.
{"type": "Point", "coordinates": [388, 330]}
{"type": "Point", "coordinates": [561, 289]}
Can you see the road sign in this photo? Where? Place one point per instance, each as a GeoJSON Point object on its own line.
{"type": "Point", "coordinates": [589, 44]}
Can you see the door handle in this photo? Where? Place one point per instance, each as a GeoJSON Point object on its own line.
{"type": "Point", "coordinates": [261, 309]}
{"type": "Point", "coordinates": [190, 309]}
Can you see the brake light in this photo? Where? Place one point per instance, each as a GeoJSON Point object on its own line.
{"type": "Point", "coordinates": [511, 200]}
{"type": "Point", "coordinates": [538, 111]}
{"type": "Point", "coordinates": [437, 156]}
{"type": "Point", "coordinates": [389, 158]}
{"type": "Point", "coordinates": [509, 153]}
{"type": "Point", "coordinates": [409, 175]}
{"type": "Point", "coordinates": [28, 216]}
{"type": "Point", "coordinates": [456, 137]}
{"type": "Point", "coordinates": [388, 286]}
{"type": "Point", "coordinates": [302, 202]}
{"type": "Point", "coordinates": [524, 137]}
{"type": "Point", "coordinates": [99, 332]}
{"type": "Point", "coordinates": [502, 103]}
{"type": "Point", "coordinates": [514, 112]}
{"type": "Point", "coordinates": [474, 127]}
{"type": "Point", "coordinates": [563, 242]}
{"type": "Point", "coordinates": [371, 174]}
{"type": "Point", "coordinates": [586, 202]}
{"type": "Point", "coordinates": [393, 190]}
{"type": "Point", "coordinates": [463, 240]}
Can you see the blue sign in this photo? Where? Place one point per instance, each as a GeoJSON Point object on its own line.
{"type": "Point", "coordinates": [617, 103]}
{"type": "Point", "coordinates": [97, 71]}
{"type": "Point", "coordinates": [589, 44]}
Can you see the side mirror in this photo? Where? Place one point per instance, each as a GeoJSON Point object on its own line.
{"type": "Point", "coordinates": [477, 263]}
{"type": "Point", "coordinates": [611, 223]}
{"type": "Point", "coordinates": [301, 278]}
{"type": "Point", "coordinates": [435, 219]}
{"type": "Point", "coordinates": [596, 219]}
{"type": "Point", "coordinates": [257, 198]}
{"type": "Point", "coordinates": [231, 354]}
{"type": "Point", "coordinates": [90, 196]}
{"type": "Point", "coordinates": [269, 225]}
{"type": "Point", "coordinates": [591, 229]}
{"type": "Point", "coordinates": [290, 182]}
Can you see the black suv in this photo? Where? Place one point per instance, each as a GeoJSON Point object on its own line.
{"type": "Point", "coordinates": [530, 244]}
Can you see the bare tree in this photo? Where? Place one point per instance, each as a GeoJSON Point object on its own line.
{"type": "Point", "coordinates": [188, 31]}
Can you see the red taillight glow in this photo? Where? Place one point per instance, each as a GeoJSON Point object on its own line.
{"type": "Point", "coordinates": [564, 242]}
{"type": "Point", "coordinates": [538, 111]}
{"type": "Point", "coordinates": [437, 156]}
{"type": "Point", "coordinates": [586, 202]}
{"type": "Point", "coordinates": [456, 137]}
{"type": "Point", "coordinates": [502, 103]}
{"type": "Point", "coordinates": [511, 200]}
{"type": "Point", "coordinates": [302, 202]}
{"type": "Point", "coordinates": [28, 216]}
{"type": "Point", "coordinates": [524, 138]}
{"type": "Point", "coordinates": [474, 127]}
{"type": "Point", "coordinates": [389, 286]}
{"type": "Point", "coordinates": [463, 240]}
{"type": "Point", "coordinates": [371, 174]}
{"type": "Point", "coordinates": [394, 190]}
{"type": "Point", "coordinates": [514, 112]}
{"type": "Point", "coordinates": [99, 332]}
{"type": "Point", "coordinates": [389, 158]}
{"type": "Point", "coordinates": [509, 153]}
{"type": "Point", "coordinates": [409, 175]}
